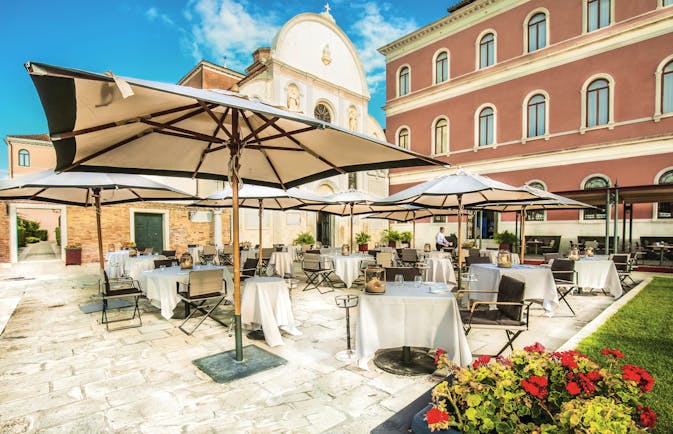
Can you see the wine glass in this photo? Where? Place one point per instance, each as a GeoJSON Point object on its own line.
{"type": "Point", "coordinates": [399, 278]}
{"type": "Point", "coordinates": [418, 281]}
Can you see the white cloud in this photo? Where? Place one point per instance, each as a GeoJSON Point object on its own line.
{"type": "Point", "coordinates": [375, 28]}
{"type": "Point", "coordinates": [153, 14]}
{"type": "Point", "coordinates": [228, 31]}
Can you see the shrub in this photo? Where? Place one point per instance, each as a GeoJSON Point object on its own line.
{"type": "Point", "coordinates": [406, 236]}
{"type": "Point", "coordinates": [32, 240]}
{"type": "Point", "coordinates": [362, 237]}
{"type": "Point", "coordinates": [304, 238]}
{"type": "Point", "coordinates": [21, 236]}
{"type": "Point", "coordinates": [391, 235]}
{"type": "Point", "coordinates": [57, 233]}
{"type": "Point", "coordinates": [41, 234]}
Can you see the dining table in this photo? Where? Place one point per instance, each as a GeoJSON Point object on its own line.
{"type": "Point", "coordinates": [598, 272]}
{"type": "Point", "coordinates": [266, 305]}
{"type": "Point", "coordinates": [280, 264]}
{"type": "Point", "coordinates": [160, 285]}
{"type": "Point", "coordinates": [439, 270]}
{"type": "Point", "coordinates": [662, 248]}
{"type": "Point", "coordinates": [539, 282]}
{"type": "Point", "coordinates": [347, 268]}
{"type": "Point", "coordinates": [120, 263]}
{"type": "Point", "coordinates": [410, 314]}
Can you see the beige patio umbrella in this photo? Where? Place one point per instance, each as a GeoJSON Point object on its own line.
{"type": "Point", "coordinates": [102, 122]}
{"type": "Point", "coordinates": [88, 189]}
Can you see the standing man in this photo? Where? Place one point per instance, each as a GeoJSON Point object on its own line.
{"type": "Point", "coordinates": [440, 240]}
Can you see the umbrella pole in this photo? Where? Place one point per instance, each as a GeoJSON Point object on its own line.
{"type": "Point", "coordinates": [523, 234]}
{"type": "Point", "coordinates": [351, 244]}
{"type": "Point", "coordinates": [259, 253]}
{"type": "Point", "coordinates": [237, 270]}
{"type": "Point", "coordinates": [413, 237]}
{"type": "Point", "coordinates": [96, 196]}
{"type": "Point", "coordinates": [460, 237]}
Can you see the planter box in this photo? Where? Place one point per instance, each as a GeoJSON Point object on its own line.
{"type": "Point", "coordinates": [363, 247]}
{"type": "Point", "coordinates": [73, 256]}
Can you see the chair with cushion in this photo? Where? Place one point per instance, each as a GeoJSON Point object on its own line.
{"type": "Point", "coordinates": [226, 255]}
{"type": "Point", "coordinates": [120, 288]}
{"type": "Point", "coordinates": [408, 273]}
{"type": "Point", "coordinates": [549, 256]}
{"type": "Point", "coordinates": [565, 278]}
{"type": "Point", "coordinates": [409, 257]}
{"type": "Point", "coordinates": [624, 265]}
{"type": "Point", "coordinates": [510, 315]}
{"type": "Point", "coordinates": [249, 268]}
{"type": "Point", "coordinates": [266, 256]}
{"type": "Point", "coordinates": [384, 259]}
{"type": "Point", "coordinates": [474, 251]}
{"type": "Point", "coordinates": [469, 260]}
{"type": "Point", "coordinates": [169, 254]}
{"type": "Point", "coordinates": [317, 272]}
{"type": "Point", "coordinates": [202, 293]}
{"type": "Point", "coordinates": [208, 254]}
{"type": "Point", "coordinates": [158, 263]}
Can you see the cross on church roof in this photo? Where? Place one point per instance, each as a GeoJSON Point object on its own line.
{"type": "Point", "coordinates": [327, 8]}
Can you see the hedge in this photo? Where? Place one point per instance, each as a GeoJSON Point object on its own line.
{"type": "Point", "coordinates": [41, 234]}
{"type": "Point", "coordinates": [31, 240]}
{"type": "Point", "coordinates": [21, 237]}
{"type": "Point", "coordinates": [58, 235]}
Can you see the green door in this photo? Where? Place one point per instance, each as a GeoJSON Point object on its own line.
{"type": "Point", "coordinates": [149, 230]}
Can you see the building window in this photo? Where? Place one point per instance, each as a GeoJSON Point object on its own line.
{"type": "Point", "coordinates": [664, 209]}
{"type": "Point", "coordinates": [598, 14]}
{"type": "Point", "coordinates": [536, 215]}
{"type": "Point", "coordinates": [537, 32]}
{"type": "Point", "coordinates": [322, 112]}
{"type": "Point", "coordinates": [591, 183]}
{"type": "Point", "coordinates": [667, 2]}
{"type": "Point", "coordinates": [487, 50]}
{"type": "Point", "coordinates": [537, 107]}
{"type": "Point", "coordinates": [441, 135]}
{"type": "Point", "coordinates": [486, 126]}
{"type": "Point", "coordinates": [439, 219]}
{"type": "Point", "coordinates": [598, 103]}
{"type": "Point", "coordinates": [352, 181]}
{"type": "Point", "coordinates": [24, 158]}
{"type": "Point", "coordinates": [403, 81]}
{"type": "Point", "coordinates": [667, 88]}
{"type": "Point", "coordinates": [442, 67]}
{"type": "Point", "coordinates": [403, 138]}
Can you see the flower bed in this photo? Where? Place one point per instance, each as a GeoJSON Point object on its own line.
{"type": "Point", "coordinates": [537, 391]}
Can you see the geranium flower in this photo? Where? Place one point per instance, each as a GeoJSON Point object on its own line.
{"type": "Point", "coordinates": [594, 375]}
{"type": "Point", "coordinates": [639, 375]}
{"type": "Point", "coordinates": [648, 418]}
{"type": "Point", "coordinates": [504, 361]}
{"type": "Point", "coordinates": [438, 354]}
{"type": "Point", "coordinates": [536, 385]}
{"type": "Point", "coordinates": [536, 348]}
{"type": "Point", "coordinates": [573, 388]}
{"type": "Point", "coordinates": [481, 361]}
{"type": "Point", "coordinates": [568, 361]}
{"type": "Point", "coordinates": [435, 416]}
{"type": "Point", "coordinates": [613, 352]}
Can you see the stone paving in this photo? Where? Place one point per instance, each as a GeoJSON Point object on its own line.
{"type": "Point", "coordinates": [62, 372]}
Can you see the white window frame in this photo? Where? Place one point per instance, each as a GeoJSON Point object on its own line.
{"type": "Point", "coordinates": [524, 116]}
{"type": "Point", "coordinates": [658, 88]}
{"type": "Point", "coordinates": [448, 135]}
{"type": "Point", "coordinates": [530, 15]}
{"type": "Point", "coordinates": [397, 80]}
{"type": "Point", "coordinates": [476, 126]}
{"type": "Point", "coordinates": [477, 46]}
{"type": "Point", "coordinates": [611, 103]}
{"type": "Point", "coordinates": [655, 205]}
{"type": "Point", "coordinates": [434, 66]}
{"type": "Point", "coordinates": [584, 181]}
{"type": "Point", "coordinates": [544, 212]}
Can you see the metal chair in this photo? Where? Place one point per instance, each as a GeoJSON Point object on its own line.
{"type": "Point", "coordinates": [208, 254]}
{"type": "Point", "coordinates": [249, 268]}
{"type": "Point", "coordinates": [624, 266]}
{"type": "Point", "coordinates": [317, 273]}
{"type": "Point", "coordinates": [408, 273]}
{"type": "Point", "coordinates": [226, 255]}
{"type": "Point", "coordinates": [158, 263]}
{"type": "Point", "coordinates": [203, 291]}
{"type": "Point", "coordinates": [120, 288]}
{"type": "Point", "coordinates": [384, 259]}
{"type": "Point", "coordinates": [266, 256]}
{"type": "Point", "coordinates": [170, 254]}
{"type": "Point", "coordinates": [409, 257]}
{"type": "Point", "coordinates": [565, 278]}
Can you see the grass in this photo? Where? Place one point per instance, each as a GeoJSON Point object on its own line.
{"type": "Point", "coordinates": [643, 330]}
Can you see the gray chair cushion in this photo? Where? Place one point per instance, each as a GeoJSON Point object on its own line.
{"type": "Point", "coordinates": [511, 290]}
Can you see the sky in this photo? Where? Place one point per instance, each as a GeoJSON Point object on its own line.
{"type": "Point", "coordinates": [163, 39]}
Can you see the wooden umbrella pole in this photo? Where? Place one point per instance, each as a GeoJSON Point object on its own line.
{"type": "Point", "coordinates": [96, 196]}
{"type": "Point", "coordinates": [523, 234]}
{"type": "Point", "coordinates": [460, 233]}
{"type": "Point", "coordinates": [413, 236]}
{"type": "Point", "coordinates": [233, 176]}
{"type": "Point", "coordinates": [351, 245]}
{"type": "Point", "coordinates": [259, 253]}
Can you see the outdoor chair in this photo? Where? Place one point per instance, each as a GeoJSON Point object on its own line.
{"type": "Point", "coordinates": [202, 293]}
{"type": "Point", "coordinates": [474, 251]}
{"type": "Point", "coordinates": [623, 264]}
{"type": "Point", "coordinates": [317, 273]}
{"type": "Point", "coordinates": [408, 273]}
{"type": "Point", "coordinates": [165, 262]}
{"type": "Point", "coordinates": [249, 268]}
{"type": "Point", "coordinates": [208, 254]}
{"type": "Point", "coordinates": [384, 259]}
{"type": "Point", "coordinates": [548, 248]}
{"type": "Point", "coordinates": [170, 254]}
{"type": "Point", "coordinates": [565, 278]}
{"type": "Point", "coordinates": [120, 288]}
{"type": "Point", "coordinates": [511, 313]}
{"type": "Point", "coordinates": [469, 260]}
{"type": "Point", "coordinates": [409, 257]}
{"type": "Point", "coordinates": [313, 251]}
{"type": "Point", "coordinates": [266, 256]}
{"type": "Point", "coordinates": [550, 256]}
{"type": "Point", "coordinates": [226, 255]}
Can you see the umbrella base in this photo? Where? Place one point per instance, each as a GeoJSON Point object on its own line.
{"type": "Point", "coordinates": [406, 361]}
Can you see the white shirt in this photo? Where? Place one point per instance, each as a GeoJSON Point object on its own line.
{"type": "Point", "coordinates": [441, 239]}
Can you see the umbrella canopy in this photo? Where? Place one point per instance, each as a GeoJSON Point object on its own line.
{"type": "Point", "coordinates": [85, 189]}
{"type": "Point", "coordinates": [100, 122]}
{"type": "Point", "coordinates": [458, 190]}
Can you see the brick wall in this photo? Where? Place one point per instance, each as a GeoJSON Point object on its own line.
{"type": "Point", "coordinates": [4, 233]}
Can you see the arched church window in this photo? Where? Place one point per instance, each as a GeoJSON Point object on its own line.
{"type": "Point", "coordinates": [322, 112]}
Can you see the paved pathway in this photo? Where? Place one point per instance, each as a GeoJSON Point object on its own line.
{"type": "Point", "coordinates": [61, 372]}
{"type": "Point", "coordinates": [40, 251]}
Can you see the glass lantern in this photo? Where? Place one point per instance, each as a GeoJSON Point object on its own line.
{"type": "Point", "coordinates": [574, 254]}
{"type": "Point", "coordinates": [375, 277]}
{"type": "Point", "coordinates": [504, 259]}
{"type": "Point", "coordinates": [186, 261]}
{"type": "Point", "coordinates": [346, 250]}
{"type": "Point", "coordinates": [133, 252]}
{"type": "Point", "coordinates": [589, 251]}
{"type": "Point", "coordinates": [427, 247]}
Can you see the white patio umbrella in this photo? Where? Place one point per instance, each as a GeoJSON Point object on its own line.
{"type": "Point", "coordinates": [260, 197]}
{"type": "Point", "coordinates": [101, 122]}
{"type": "Point", "coordinates": [88, 189]}
{"type": "Point", "coordinates": [456, 191]}
{"type": "Point", "coordinates": [411, 213]}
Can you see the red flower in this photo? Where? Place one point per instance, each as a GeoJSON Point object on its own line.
{"type": "Point", "coordinates": [648, 418]}
{"type": "Point", "coordinates": [435, 415]}
{"type": "Point", "coordinates": [639, 375]}
{"type": "Point", "coordinates": [438, 354]}
{"type": "Point", "coordinates": [481, 361]}
{"type": "Point", "coordinates": [536, 386]}
{"type": "Point", "coordinates": [594, 375]}
{"type": "Point", "coordinates": [537, 348]}
{"type": "Point", "coordinates": [504, 361]}
{"type": "Point", "coordinates": [587, 385]}
{"type": "Point", "coordinates": [568, 361]}
{"type": "Point", "coordinates": [614, 353]}
{"type": "Point", "coordinates": [573, 388]}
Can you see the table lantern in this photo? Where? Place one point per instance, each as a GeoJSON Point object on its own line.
{"type": "Point", "coordinates": [111, 247]}
{"type": "Point", "coordinates": [504, 259]}
{"type": "Point", "coordinates": [375, 277]}
{"type": "Point", "coordinates": [133, 252]}
{"type": "Point", "coordinates": [589, 251]}
{"type": "Point", "coordinates": [186, 261]}
{"type": "Point", "coordinates": [427, 247]}
{"type": "Point", "coordinates": [346, 250]}
{"type": "Point", "coordinates": [574, 254]}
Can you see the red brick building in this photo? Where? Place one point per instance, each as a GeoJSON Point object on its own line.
{"type": "Point", "coordinates": [567, 95]}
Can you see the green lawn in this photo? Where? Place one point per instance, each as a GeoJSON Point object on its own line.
{"type": "Point", "coordinates": [643, 331]}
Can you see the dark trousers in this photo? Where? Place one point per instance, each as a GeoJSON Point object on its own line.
{"type": "Point", "coordinates": [439, 247]}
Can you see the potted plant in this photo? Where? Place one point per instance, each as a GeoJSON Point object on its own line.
{"type": "Point", "coordinates": [405, 238]}
{"type": "Point", "coordinates": [506, 239]}
{"type": "Point", "coordinates": [304, 238]}
{"type": "Point", "coordinates": [73, 254]}
{"type": "Point", "coordinates": [391, 236]}
{"type": "Point", "coordinates": [362, 238]}
{"type": "Point", "coordinates": [537, 391]}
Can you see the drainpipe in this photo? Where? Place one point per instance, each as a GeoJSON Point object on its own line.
{"type": "Point", "coordinates": [607, 220]}
{"type": "Point", "coordinates": [615, 232]}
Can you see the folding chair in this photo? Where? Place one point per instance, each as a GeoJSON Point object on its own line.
{"type": "Point", "coordinates": [409, 257]}
{"type": "Point", "coordinates": [120, 288]}
{"type": "Point", "coordinates": [208, 254]}
{"type": "Point", "coordinates": [249, 268]}
{"type": "Point", "coordinates": [508, 315]}
{"type": "Point", "coordinates": [384, 259]}
{"type": "Point", "coordinates": [624, 266]}
{"type": "Point", "coordinates": [226, 255]}
{"type": "Point", "coordinates": [165, 262]}
{"type": "Point", "coordinates": [266, 256]}
{"type": "Point", "coordinates": [169, 254]}
{"type": "Point", "coordinates": [316, 273]}
{"type": "Point", "coordinates": [408, 273]}
{"type": "Point", "coordinates": [565, 278]}
{"type": "Point", "coordinates": [203, 291]}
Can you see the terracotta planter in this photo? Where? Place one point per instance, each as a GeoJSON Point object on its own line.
{"type": "Point", "coordinates": [505, 246]}
{"type": "Point", "coordinates": [392, 244]}
{"type": "Point", "coordinates": [363, 247]}
{"type": "Point", "coordinates": [73, 256]}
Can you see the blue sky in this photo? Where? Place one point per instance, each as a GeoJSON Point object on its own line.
{"type": "Point", "coordinates": [163, 39]}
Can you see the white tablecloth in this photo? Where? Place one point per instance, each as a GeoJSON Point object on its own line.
{"type": "Point", "coordinates": [196, 253]}
{"type": "Point", "coordinates": [116, 262]}
{"type": "Point", "coordinates": [406, 315]}
{"type": "Point", "coordinates": [347, 268]}
{"type": "Point", "coordinates": [493, 254]}
{"type": "Point", "coordinates": [160, 285]}
{"type": "Point", "coordinates": [265, 302]}
{"type": "Point", "coordinates": [440, 270]}
{"type": "Point", "coordinates": [280, 263]}
{"type": "Point", "coordinates": [599, 274]}
{"type": "Point", "coordinates": [330, 250]}
{"type": "Point", "coordinates": [539, 282]}
{"type": "Point", "coordinates": [121, 264]}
